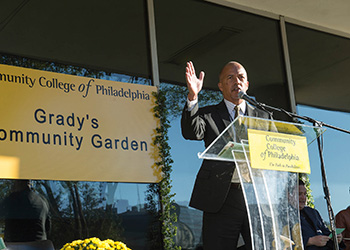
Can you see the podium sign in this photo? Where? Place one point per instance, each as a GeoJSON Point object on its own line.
{"type": "Point", "coordinates": [271, 195]}
{"type": "Point", "coordinates": [278, 151]}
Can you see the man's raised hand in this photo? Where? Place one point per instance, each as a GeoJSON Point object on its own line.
{"type": "Point", "coordinates": [194, 84]}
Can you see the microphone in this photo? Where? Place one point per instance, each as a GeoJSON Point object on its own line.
{"type": "Point", "coordinates": [244, 96]}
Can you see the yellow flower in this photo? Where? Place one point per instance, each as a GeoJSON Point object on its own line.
{"type": "Point", "coordinates": [96, 240]}
{"type": "Point", "coordinates": [95, 244]}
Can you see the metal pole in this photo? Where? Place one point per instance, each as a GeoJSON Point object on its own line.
{"type": "Point", "coordinates": [153, 43]}
{"type": "Point", "coordinates": [326, 191]}
{"type": "Point", "coordinates": [287, 65]}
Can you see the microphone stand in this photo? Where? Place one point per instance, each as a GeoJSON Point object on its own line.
{"type": "Point", "coordinates": [320, 149]}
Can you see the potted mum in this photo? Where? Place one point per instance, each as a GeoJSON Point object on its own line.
{"type": "Point", "coordinates": [95, 244]}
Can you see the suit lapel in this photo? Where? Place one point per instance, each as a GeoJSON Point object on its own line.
{"type": "Point", "coordinates": [223, 112]}
{"type": "Point", "coordinates": [251, 111]}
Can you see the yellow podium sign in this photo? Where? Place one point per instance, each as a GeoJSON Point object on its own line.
{"type": "Point", "coordinates": [278, 151]}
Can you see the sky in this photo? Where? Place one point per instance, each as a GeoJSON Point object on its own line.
{"type": "Point", "coordinates": [336, 157]}
{"type": "Point", "coordinates": [336, 147]}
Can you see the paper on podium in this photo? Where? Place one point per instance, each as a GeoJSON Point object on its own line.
{"type": "Point", "coordinates": [226, 152]}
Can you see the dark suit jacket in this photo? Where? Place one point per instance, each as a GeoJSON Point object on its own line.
{"type": "Point", "coordinates": [312, 225]}
{"type": "Point", "coordinates": [214, 177]}
{"type": "Point", "coordinates": [26, 215]}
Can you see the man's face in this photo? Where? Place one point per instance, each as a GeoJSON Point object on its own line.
{"type": "Point", "coordinates": [302, 197]}
{"type": "Point", "coordinates": [233, 79]}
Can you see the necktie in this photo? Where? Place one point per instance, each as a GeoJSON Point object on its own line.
{"type": "Point", "coordinates": [236, 108]}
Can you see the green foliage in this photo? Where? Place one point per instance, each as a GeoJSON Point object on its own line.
{"type": "Point", "coordinates": [310, 198]}
{"type": "Point", "coordinates": [163, 188]}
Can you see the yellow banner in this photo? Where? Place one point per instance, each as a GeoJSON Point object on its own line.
{"type": "Point", "coordinates": [63, 127]}
{"type": "Point", "coordinates": [277, 151]}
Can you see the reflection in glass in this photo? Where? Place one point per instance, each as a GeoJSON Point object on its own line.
{"type": "Point", "coordinates": [80, 210]}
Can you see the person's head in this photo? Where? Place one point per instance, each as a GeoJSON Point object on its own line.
{"type": "Point", "coordinates": [20, 185]}
{"type": "Point", "coordinates": [302, 195]}
{"type": "Point", "coordinates": [233, 79]}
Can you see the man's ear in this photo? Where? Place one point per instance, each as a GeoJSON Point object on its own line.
{"type": "Point", "coordinates": [220, 86]}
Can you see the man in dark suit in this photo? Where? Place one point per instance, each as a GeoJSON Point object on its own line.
{"type": "Point", "coordinates": [315, 232]}
{"type": "Point", "coordinates": [217, 191]}
{"type": "Point", "coordinates": [26, 214]}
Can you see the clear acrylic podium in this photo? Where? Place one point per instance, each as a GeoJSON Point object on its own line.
{"type": "Point", "coordinates": [271, 196]}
